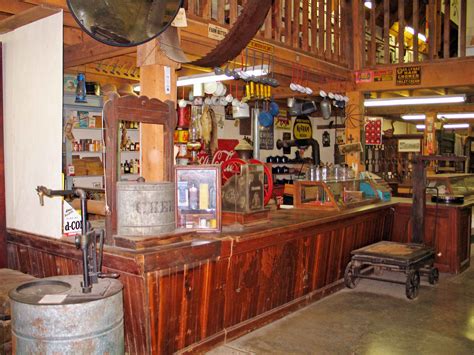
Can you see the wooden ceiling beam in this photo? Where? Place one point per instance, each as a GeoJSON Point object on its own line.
{"type": "Point", "coordinates": [437, 74]}
{"type": "Point", "coordinates": [15, 7]}
{"type": "Point", "coordinates": [31, 15]}
{"type": "Point", "coordinates": [90, 51]}
{"type": "Point", "coordinates": [400, 110]}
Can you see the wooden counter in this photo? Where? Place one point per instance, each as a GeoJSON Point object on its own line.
{"type": "Point", "coordinates": [203, 289]}
{"type": "Point", "coordinates": [189, 292]}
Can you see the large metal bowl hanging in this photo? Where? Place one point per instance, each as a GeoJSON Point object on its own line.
{"type": "Point", "coordinates": [124, 23]}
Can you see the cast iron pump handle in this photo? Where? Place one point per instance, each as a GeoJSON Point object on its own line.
{"type": "Point", "coordinates": [87, 241]}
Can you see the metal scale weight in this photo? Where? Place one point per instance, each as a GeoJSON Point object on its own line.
{"type": "Point", "coordinates": [413, 259]}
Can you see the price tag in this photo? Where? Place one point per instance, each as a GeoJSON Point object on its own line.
{"type": "Point", "coordinates": [72, 221]}
{"type": "Point", "coordinates": [167, 80]}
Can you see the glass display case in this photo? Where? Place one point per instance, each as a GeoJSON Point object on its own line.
{"type": "Point", "coordinates": [244, 192]}
{"type": "Point", "coordinates": [451, 184]}
{"type": "Point", "coordinates": [198, 197]}
{"type": "Point", "coordinates": [335, 194]}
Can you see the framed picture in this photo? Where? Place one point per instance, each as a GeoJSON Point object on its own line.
{"type": "Point", "coordinates": [69, 83]}
{"type": "Point", "coordinates": [350, 148]}
{"type": "Point", "coordinates": [198, 197]}
{"type": "Point", "coordinates": [409, 145]}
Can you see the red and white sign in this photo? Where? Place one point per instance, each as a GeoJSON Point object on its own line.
{"type": "Point", "coordinates": [373, 131]}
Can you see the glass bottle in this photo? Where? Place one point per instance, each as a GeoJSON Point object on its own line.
{"type": "Point", "coordinates": [193, 197]}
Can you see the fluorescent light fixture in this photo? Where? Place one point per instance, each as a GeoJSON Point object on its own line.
{"type": "Point", "coordinates": [456, 125]}
{"type": "Point", "coordinates": [447, 126]}
{"type": "Point", "coordinates": [449, 116]}
{"type": "Point", "coordinates": [421, 36]}
{"type": "Point", "coordinates": [420, 100]}
{"type": "Point", "coordinates": [258, 70]}
{"type": "Point", "coordinates": [368, 4]}
{"type": "Point", "coordinates": [456, 116]}
{"type": "Point", "coordinates": [414, 117]}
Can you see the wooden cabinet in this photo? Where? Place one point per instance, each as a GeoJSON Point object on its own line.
{"type": "Point", "coordinates": [450, 235]}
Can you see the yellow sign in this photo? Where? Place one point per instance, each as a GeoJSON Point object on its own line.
{"type": "Point", "coordinates": [261, 46]}
{"type": "Point", "coordinates": [302, 128]}
{"type": "Point", "coordinates": [216, 32]}
{"type": "Point", "coordinates": [408, 75]}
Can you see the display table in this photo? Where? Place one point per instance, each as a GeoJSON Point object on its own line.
{"type": "Point", "coordinates": [193, 291]}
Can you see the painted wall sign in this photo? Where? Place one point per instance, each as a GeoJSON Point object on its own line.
{"type": "Point", "coordinates": [216, 32]}
{"type": "Point", "coordinates": [366, 76]}
{"type": "Point", "coordinates": [282, 121]}
{"type": "Point", "coordinates": [408, 75]}
{"type": "Point", "coordinates": [266, 138]}
{"type": "Point", "coordinates": [261, 46]}
{"type": "Point", "coordinates": [383, 75]}
{"type": "Point", "coordinates": [302, 128]}
{"type": "Point", "coordinates": [373, 131]}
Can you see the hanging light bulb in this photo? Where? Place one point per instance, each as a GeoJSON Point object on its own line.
{"type": "Point", "coordinates": [368, 4]}
{"type": "Point", "coordinates": [81, 96]}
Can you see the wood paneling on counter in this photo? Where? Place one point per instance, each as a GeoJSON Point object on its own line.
{"type": "Point", "coordinates": [223, 288]}
{"type": "Point", "coordinates": [453, 230]}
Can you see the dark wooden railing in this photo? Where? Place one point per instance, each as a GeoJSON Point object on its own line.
{"type": "Point", "coordinates": [317, 27]}
{"type": "Point", "coordinates": [392, 26]}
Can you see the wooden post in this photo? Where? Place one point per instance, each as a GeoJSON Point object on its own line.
{"type": "Point", "coordinates": [416, 23]}
{"type": "Point", "coordinates": [358, 32]}
{"type": "Point", "coordinates": [354, 124]}
{"type": "Point", "coordinates": [386, 31]}
{"type": "Point", "coordinates": [447, 27]}
{"type": "Point", "coordinates": [401, 31]}
{"type": "Point", "coordinates": [462, 31]}
{"type": "Point", "coordinates": [429, 135]}
{"type": "Point", "coordinates": [157, 80]}
{"type": "Point", "coordinates": [419, 200]}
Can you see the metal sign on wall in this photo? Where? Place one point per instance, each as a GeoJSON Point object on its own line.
{"type": "Point", "coordinates": [408, 76]}
{"type": "Point", "coordinates": [266, 138]}
{"type": "Point", "coordinates": [302, 128]}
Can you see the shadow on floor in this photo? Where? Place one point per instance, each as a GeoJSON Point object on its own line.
{"type": "Point", "coordinates": [374, 318]}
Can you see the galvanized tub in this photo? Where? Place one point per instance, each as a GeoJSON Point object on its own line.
{"type": "Point", "coordinates": [145, 208]}
{"type": "Point", "coordinates": [79, 324]}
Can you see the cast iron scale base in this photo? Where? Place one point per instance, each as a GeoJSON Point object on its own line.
{"type": "Point", "coordinates": [414, 260]}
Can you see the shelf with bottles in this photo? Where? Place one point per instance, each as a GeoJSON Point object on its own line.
{"type": "Point", "coordinates": [198, 202]}
{"type": "Point", "coordinates": [84, 142]}
{"type": "Point", "coordinates": [130, 167]}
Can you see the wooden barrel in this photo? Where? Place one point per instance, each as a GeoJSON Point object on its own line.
{"type": "Point", "coordinates": [145, 208]}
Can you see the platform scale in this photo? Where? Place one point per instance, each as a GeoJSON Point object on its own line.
{"type": "Point", "coordinates": [412, 259]}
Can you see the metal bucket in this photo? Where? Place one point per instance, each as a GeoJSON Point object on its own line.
{"type": "Point", "coordinates": [78, 324]}
{"type": "Point", "coordinates": [145, 208]}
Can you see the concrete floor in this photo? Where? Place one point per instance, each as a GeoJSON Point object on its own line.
{"type": "Point", "coordinates": [374, 318]}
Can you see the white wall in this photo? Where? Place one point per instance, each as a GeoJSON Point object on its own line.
{"type": "Point", "coordinates": [33, 72]}
{"type": "Point", "coordinates": [230, 131]}
{"type": "Point", "coordinates": [401, 127]}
